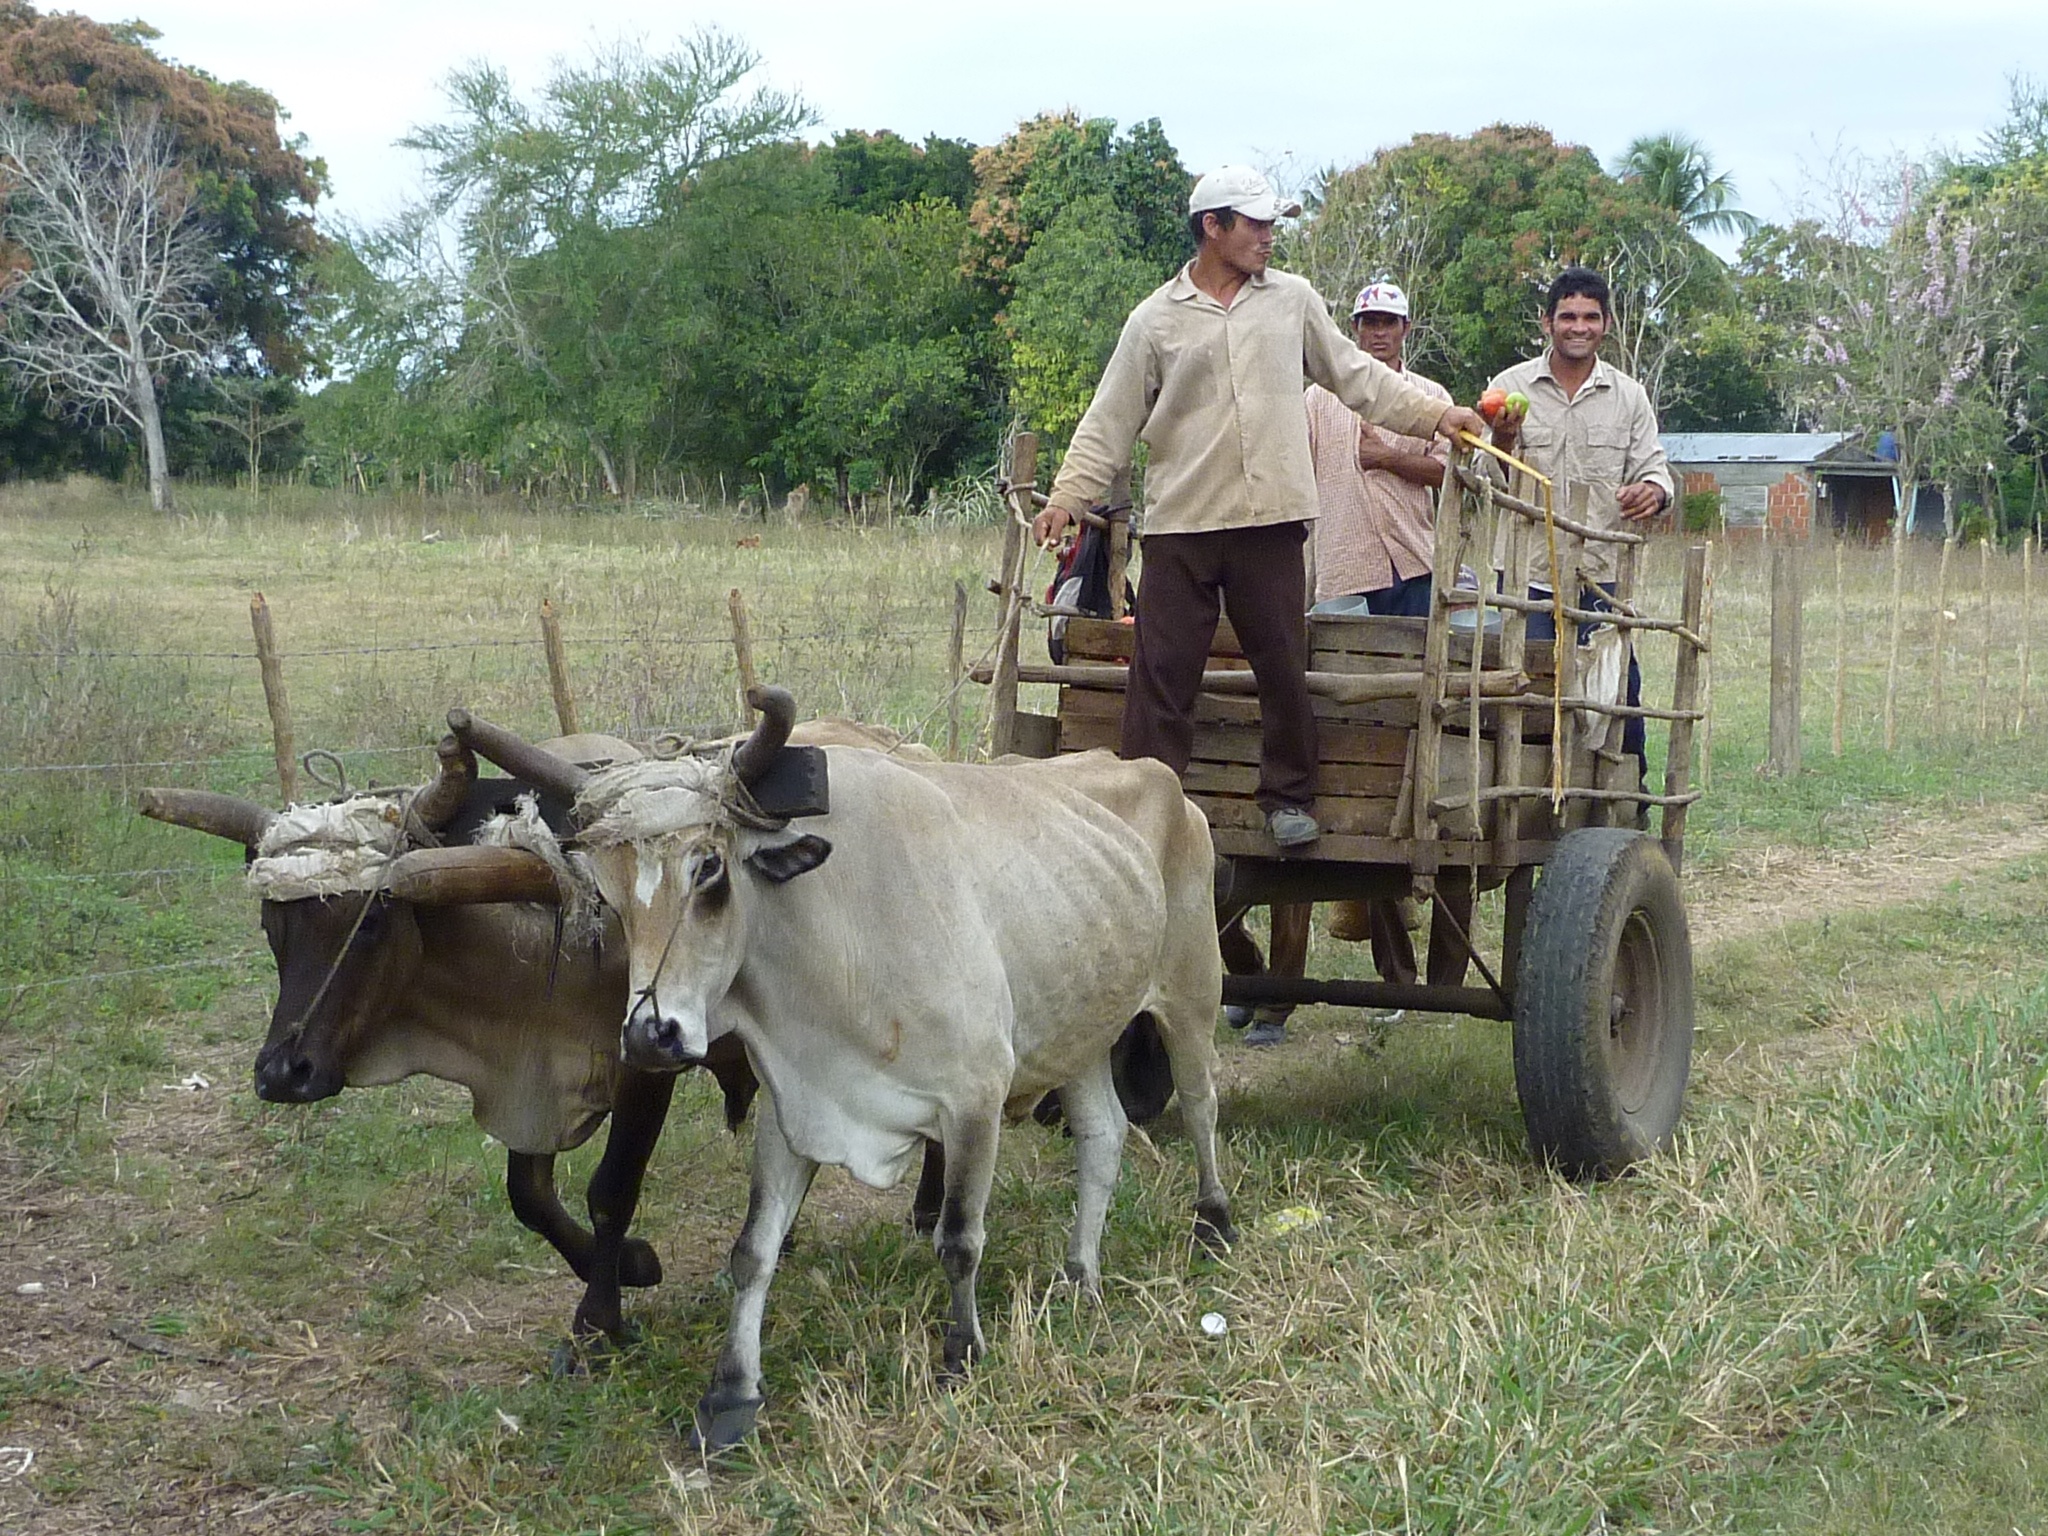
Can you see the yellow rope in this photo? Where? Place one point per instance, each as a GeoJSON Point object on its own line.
{"type": "Point", "coordinates": [1506, 458]}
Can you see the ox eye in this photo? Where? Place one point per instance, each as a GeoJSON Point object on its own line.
{"type": "Point", "coordinates": [710, 872]}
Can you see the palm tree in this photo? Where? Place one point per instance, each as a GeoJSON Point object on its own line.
{"type": "Point", "coordinates": [1678, 173]}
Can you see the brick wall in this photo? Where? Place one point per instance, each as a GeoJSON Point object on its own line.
{"type": "Point", "coordinates": [1789, 504]}
{"type": "Point", "coordinates": [1697, 480]}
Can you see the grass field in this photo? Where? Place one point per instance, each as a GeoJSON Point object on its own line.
{"type": "Point", "coordinates": [1825, 1310]}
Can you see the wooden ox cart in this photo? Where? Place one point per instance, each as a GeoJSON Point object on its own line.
{"type": "Point", "coordinates": [1446, 762]}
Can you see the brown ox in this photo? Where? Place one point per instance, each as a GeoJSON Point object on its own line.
{"type": "Point", "coordinates": [448, 967]}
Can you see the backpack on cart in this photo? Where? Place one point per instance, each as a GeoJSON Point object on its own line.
{"type": "Point", "coordinates": [1081, 583]}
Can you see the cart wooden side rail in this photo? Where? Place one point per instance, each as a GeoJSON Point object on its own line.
{"type": "Point", "coordinates": [1458, 755]}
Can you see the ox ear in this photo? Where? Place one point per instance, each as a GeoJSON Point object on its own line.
{"type": "Point", "coordinates": [785, 861]}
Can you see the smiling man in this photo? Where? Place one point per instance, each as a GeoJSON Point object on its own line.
{"type": "Point", "coordinates": [1208, 374]}
{"type": "Point", "coordinates": [1588, 424]}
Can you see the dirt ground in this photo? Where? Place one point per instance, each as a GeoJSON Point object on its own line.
{"type": "Point", "coordinates": [75, 1309]}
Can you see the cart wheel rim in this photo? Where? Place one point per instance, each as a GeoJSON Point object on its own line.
{"type": "Point", "coordinates": [1637, 1015]}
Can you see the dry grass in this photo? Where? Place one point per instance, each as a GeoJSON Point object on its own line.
{"type": "Point", "coordinates": [343, 1329]}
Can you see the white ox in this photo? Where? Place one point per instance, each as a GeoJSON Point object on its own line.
{"type": "Point", "coordinates": [945, 945]}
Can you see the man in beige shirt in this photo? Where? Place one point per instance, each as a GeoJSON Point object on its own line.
{"type": "Point", "coordinates": [1588, 425]}
{"type": "Point", "coordinates": [1208, 374]}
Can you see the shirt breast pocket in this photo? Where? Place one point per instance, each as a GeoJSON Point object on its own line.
{"type": "Point", "coordinates": [1606, 455]}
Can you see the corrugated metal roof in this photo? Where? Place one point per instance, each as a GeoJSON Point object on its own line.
{"type": "Point", "coordinates": [1750, 447]}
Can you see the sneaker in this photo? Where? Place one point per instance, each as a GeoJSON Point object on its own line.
{"type": "Point", "coordinates": [1289, 826]}
{"type": "Point", "coordinates": [1267, 1032]}
{"type": "Point", "coordinates": [1237, 1015]}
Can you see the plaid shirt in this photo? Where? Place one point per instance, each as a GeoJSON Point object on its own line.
{"type": "Point", "coordinates": [1375, 528]}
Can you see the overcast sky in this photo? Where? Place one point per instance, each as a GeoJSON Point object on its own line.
{"type": "Point", "coordinates": [1772, 89]}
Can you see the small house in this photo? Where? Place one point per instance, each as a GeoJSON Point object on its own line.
{"type": "Point", "coordinates": [1786, 484]}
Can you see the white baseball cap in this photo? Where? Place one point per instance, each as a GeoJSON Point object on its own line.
{"type": "Point", "coordinates": [1241, 189]}
{"type": "Point", "coordinates": [1380, 299]}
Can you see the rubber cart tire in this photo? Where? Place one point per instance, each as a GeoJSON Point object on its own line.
{"type": "Point", "coordinates": [1603, 1004]}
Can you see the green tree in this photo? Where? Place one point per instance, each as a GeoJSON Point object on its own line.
{"type": "Point", "coordinates": [250, 191]}
{"type": "Point", "coordinates": [1069, 296]}
{"type": "Point", "coordinates": [1052, 161]}
{"type": "Point", "coordinates": [559, 207]}
{"type": "Point", "coordinates": [874, 172]}
{"type": "Point", "coordinates": [1073, 224]}
{"type": "Point", "coordinates": [1678, 173]}
{"type": "Point", "coordinates": [1474, 227]}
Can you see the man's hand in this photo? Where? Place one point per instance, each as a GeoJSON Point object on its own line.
{"type": "Point", "coordinates": [1507, 427]}
{"type": "Point", "coordinates": [1459, 419]}
{"type": "Point", "coordinates": [1640, 499]}
{"type": "Point", "coordinates": [1373, 451]}
{"type": "Point", "coordinates": [1050, 523]}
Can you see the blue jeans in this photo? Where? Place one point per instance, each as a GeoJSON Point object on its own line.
{"type": "Point", "coordinates": [1542, 626]}
{"type": "Point", "coordinates": [1407, 599]}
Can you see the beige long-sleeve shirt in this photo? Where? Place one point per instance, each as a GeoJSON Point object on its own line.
{"type": "Point", "coordinates": [1602, 438]}
{"type": "Point", "coordinates": [1215, 393]}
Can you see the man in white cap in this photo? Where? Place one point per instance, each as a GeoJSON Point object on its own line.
{"type": "Point", "coordinates": [1375, 536]}
{"type": "Point", "coordinates": [1208, 375]}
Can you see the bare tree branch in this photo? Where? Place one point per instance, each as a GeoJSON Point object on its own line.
{"type": "Point", "coordinates": [110, 287]}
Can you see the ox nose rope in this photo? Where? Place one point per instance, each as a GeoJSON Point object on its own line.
{"type": "Point", "coordinates": [334, 965]}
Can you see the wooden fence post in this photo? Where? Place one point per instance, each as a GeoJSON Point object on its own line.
{"type": "Point", "coordinates": [272, 668]}
{"type": "Point", "coordinates": [1706, 663]}
{"type": "Point", "coordinates": [956, 668]}
{"type": "Point", "coordinates": [558, 667]}
{"type": "Point", "coordinates": [1948, 548]}
{"type": "Point", "coordinates": [1842, 654]}
{"type": "Point", "coordinates": [2019, 723]}
{"type": "Point", "coordinates": [1891, 667]}
{"type": "Point", "coordinates": [1786, 657]}
{"type": "Point", "coordinates": [743, 653]}
{"type": "Point", "coordinates": [1002, 699]}
{"type": "Point", "coordinates": [1984, 620]}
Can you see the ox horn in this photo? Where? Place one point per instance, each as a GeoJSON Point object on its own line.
{"type": "Point", "coordinates": [750, 759]}
{"type": "Point", "coordinates": [518, 756]}
{"type": "Point", "coordinates": [470, 876]}
{"type": "Point", "coordinates": [436, 805]}
{"type": "Point", "coordinates": [229, 816]}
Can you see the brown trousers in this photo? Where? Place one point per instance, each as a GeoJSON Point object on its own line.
{"type": "Point", "coordinates": [1256, 575]}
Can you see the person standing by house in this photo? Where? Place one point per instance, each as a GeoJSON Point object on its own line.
{"type": "Point", "coordinates": [1208, 374]}
{"type": "Point", "coordinates": [1588, 424]}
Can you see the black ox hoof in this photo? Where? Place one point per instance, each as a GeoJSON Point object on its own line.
{"type": "Point", "coordinates": [585, 1350]}
{"type": "Point", "coordinates": [639, 1264]}
{"type": "Point", "coordinates": [1214, 1229]}
{"type": "Point", "coordinates": [721, 1427]}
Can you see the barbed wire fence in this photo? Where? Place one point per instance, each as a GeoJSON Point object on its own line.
{"type": "Point", "coordinates": [256, 757]}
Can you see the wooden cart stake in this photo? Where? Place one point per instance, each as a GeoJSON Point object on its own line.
{"type": "Point", "coordinates": [1002, 702]}
{"type": "Point", "coordinates": [274, 699]}
{"type": "Point", "coordinates": [558, 667]}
